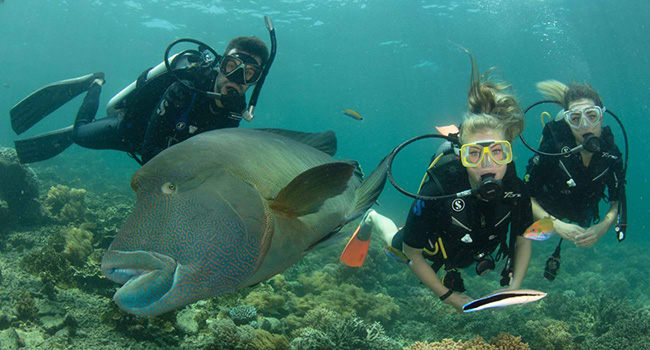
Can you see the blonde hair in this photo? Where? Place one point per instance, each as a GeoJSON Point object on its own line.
{"type": "Point", "coordinates": [491, 107]}
{"type": "Point", "coordinates": [563, 95]}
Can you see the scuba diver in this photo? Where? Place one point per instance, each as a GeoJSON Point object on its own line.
{"type": "Point", "coordinates": [452, 226]}
{"type": "Point", "coordinates": [566, 181]}
{"type": "Point", "coordinates": [197, 92]}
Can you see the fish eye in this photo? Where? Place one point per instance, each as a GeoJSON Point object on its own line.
{"type": "Point", "coordinates": [168, 188]}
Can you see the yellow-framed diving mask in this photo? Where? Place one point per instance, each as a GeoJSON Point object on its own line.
{"type": "Point", "coordinates": [486, 153]}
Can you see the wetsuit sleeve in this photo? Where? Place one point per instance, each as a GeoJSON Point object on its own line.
{"type": "Point", "coordinates": [540, 167]}
{"type": "Point", "coordinates": [161, 125]}
{"type": "Point", "coordinates": [425, 218]}
{"type": "Point", "coordinates": [523, 213]}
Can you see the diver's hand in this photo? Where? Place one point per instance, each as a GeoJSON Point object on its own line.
{"type": "Point", "coordinates": [233, 101]}
{"type": "Point", "coordinates": [592, 235]}
{"type": "Point", "coordinates": [567, 231]}
{"type": "Point", "coordinates": [457, 300]}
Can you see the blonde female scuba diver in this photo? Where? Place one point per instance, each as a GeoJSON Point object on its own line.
{"type": "Point", "coordinates": [569, 187]}
{"type": "Point", "coordinates": [469, 226]}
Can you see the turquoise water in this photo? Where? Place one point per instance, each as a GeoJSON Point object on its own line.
{"type": "Point", "coordinates": [396, 62]}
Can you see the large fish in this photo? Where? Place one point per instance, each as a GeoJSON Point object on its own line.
{"type": "Point", "coordinates": [229, 208]}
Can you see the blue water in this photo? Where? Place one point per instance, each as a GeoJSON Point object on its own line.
{"type": "Point", "coordinates": [395, 62]}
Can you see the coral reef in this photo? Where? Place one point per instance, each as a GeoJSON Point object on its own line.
{"type": "Point", "coordinates": [226, 335]}
{"type": "Point", "coordinates": [502, 342]}
{"type": "Point", "coordinates": [78, 244]}
{"type": "Point", "coordinates": [18, 190]}
{"type": "Point", "coordinates": [65, 302]}
{"type": "Point", "coordinates": [326, 327]}
{"type": "Point", "coordinates": [243, 314]}
{"type": "Point", "coordinates": [65, 204]}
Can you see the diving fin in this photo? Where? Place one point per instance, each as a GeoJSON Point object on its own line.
{"type": "Point", "coordinates": [47, 99]}
{"type": "Point", "coordinates": [356, 250]}
{"type": "Point", "coordinates": [45, 146]}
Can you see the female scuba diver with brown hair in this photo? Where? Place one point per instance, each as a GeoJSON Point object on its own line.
{"type": "Point", "coordinates": [460, 230]}
{"type": "Point", "coordinates": [569, 188]}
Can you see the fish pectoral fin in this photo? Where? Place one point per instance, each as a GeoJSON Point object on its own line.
{"type": "Point", "coordinates": [306, 193]}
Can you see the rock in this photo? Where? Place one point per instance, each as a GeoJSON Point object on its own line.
{"type": "Point", "coordinates": [31, 339]}
{"type": "Point", "coordinates": [9, 339]}
{"type": "Point", "coordinates": [18, 188]}
{"type": "Point", "coordinates": [53, 323]}
{"type": "Point", "coordinates": [186, 321]}
{"type": "Point", "coordinates": [46, 307]}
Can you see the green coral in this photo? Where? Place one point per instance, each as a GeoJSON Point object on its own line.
{"type": "Point", "coordinates": [346, 299]}
{"type": "Point", "coordinates": [326, 327]}
{"type": "Point", "coordinates": [48, 263]}
{"type": "Point", "coordinates": [65, 204]}
{"type": "Point", "coordinates": [311, 339]}
{"type": "Point", "coordinates": [268, 341]}
{"type": "Point", "coordinates": [78, 244]}
{"type": "Point", "coordinates": [26, 307]}
{"type": "Point", "coordinates": [266, 300]}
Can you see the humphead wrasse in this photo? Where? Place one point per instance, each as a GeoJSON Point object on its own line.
{"type": "Point", "coordinates": [229, 208]}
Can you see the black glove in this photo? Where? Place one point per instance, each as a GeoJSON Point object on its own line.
{"type": "Point", "coordinates": [233, 101]}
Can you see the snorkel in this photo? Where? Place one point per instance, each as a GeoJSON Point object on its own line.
{"type": "Point", "coordinates": [207, 57]}
{"type": "Point", "coordinates": [591, 143]}
{"type": "Point", "coordinates": [249, 113]}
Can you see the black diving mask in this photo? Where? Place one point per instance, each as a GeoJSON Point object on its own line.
{"type": "Point", "coordinates": [241, 68]}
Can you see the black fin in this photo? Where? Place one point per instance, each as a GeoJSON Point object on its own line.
{"type": "Point", "coordinates": [322, 141]}
{"type": "Point", "coordinates": [306, 193]}
{"type": "Point", "coordinates": [46, 100]}
{"type": "Point", "coordinates": [370, 189]}
{"type": "Point", "coordinates": [45, 146]}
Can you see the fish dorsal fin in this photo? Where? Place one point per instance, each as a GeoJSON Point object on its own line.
{"type": "Point", "coordinates": [306, 193]}
{"type": "Point", "coordinates": [322, 141]}
{"type": "Point", "coordinates": [358, 171]}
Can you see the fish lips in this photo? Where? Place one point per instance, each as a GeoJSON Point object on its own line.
{"type": "Point", "coordinates": [146, 277]}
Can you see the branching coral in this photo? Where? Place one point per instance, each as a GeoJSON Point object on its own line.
{"type": "Point", "coordinates": [243, 314]}
{"type": "Point", "coordinates": [326, 326]}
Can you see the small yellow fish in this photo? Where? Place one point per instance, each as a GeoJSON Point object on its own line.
{"type": "Point", "coordinates": [352, 113]}
{"type": "Point", "coordinates": [540, 230]}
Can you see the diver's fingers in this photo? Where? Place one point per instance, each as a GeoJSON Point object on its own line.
{"type": "Point", "coordinates": [586, 240]}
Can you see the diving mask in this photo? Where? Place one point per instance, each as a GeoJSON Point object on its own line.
{"type": "Point", "coordinates": [584, 118]}
{"type": "Point", "coordinates": [485, 153]}
{"type": "Point", "coordinates": [240, 68]}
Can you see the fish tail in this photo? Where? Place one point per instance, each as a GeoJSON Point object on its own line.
{"type": "Point", "coordinates": [371, 188]}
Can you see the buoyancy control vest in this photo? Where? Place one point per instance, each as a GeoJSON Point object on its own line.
{"type": "Point", "coordinates": [475, 229]}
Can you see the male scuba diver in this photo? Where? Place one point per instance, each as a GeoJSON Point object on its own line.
{"type": "Point", "coordinates": [199, 91]}
{"type": "Point", "coordinates": [576, 160]}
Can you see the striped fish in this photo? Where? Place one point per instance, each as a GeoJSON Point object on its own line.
{"type": "Point", "coordinates": [503, 299]}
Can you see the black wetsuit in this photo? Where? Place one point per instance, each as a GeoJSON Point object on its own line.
{"type": "Point", "coordinates": [149, 128]}
{"type": "Point", "coordinates": [467, 227]}
{"type": "Point", "coordinates": [574, 194]}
